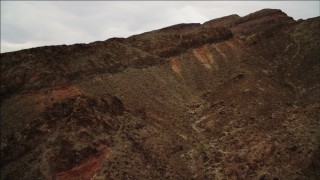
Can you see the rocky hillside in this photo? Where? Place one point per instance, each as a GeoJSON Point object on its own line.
{"type": "Point", "coordinates": [232, 98]}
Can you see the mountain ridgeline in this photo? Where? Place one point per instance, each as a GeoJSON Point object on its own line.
{"type": "Point", "coordinates": [232, 98]}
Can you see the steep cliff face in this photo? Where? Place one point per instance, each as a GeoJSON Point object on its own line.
{"type": "Point", "coordinates": [233, 98]}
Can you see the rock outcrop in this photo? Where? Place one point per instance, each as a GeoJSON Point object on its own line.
{"type": "Point", "coordinates": [232, 98]}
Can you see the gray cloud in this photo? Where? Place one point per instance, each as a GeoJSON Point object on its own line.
{"type": "Point", "coordinates": [31, 24]}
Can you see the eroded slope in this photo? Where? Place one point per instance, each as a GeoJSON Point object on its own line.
{"type": "Point", "coordinates": [234, 98]}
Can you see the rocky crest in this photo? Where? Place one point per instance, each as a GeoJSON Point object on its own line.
{"type": "Point", "coordinates": [232, 98]}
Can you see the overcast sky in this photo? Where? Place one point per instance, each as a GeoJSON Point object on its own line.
{"type": "Point", "coordinates": [26, 24]}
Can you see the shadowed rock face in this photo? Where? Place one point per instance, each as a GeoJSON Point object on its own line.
{"type": "Point", "coordinates": [233, 98]}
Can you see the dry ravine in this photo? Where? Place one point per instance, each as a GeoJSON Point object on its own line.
{"type": "Point", "coordinates": [232, 98]}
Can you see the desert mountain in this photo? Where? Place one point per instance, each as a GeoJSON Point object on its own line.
{"type": "Point", "coordinates": [232, 98]}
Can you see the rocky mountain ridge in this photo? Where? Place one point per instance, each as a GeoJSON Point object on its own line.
{"type": "Point", "coordinates": [232, 98]}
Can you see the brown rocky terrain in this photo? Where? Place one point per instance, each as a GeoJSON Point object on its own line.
{"type": "Point", "coordinates": [232, 98]}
